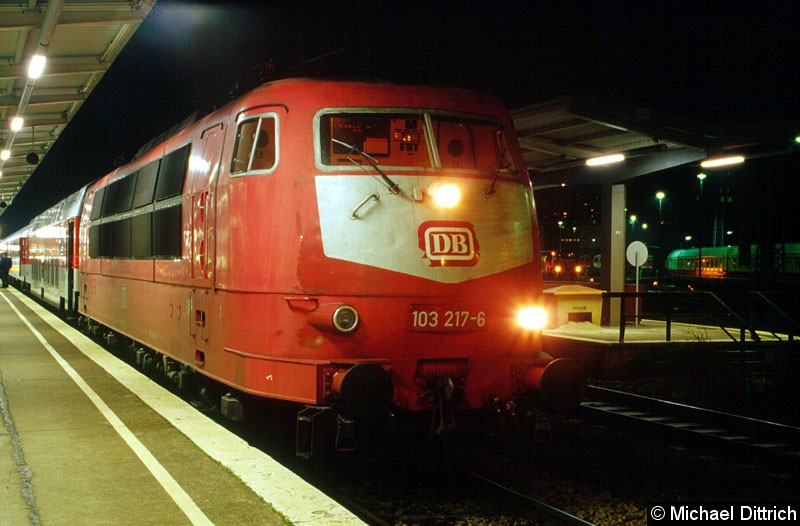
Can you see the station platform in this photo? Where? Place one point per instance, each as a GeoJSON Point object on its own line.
{"type": "Point", "coordinates": [86, 439]}
{"type": "Point", "coordinates": [605, 354]}
{"type": "Point", "coordinates": [655, 331]}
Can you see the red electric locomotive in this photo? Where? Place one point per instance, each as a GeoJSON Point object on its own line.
{"type": "Point", "coordinates": [359, 249]}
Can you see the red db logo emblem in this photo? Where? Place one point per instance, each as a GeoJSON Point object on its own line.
{"type": "Point", "coordinates": [449, 243]}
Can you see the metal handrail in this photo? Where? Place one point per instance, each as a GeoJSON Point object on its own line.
{"type": "Point", "coordinates": [744, 326]}
{"type": "Point", "coordinates": [792, 324]}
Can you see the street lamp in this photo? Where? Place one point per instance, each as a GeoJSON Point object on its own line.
{"type": "Point", "coordinates": [633, 222]}
{"type": "Point", "coordinates": [660, 196]}
{"type": "Point", "coordinates": [560, 236]}
{"type": "Point", "coordinates": [702, 177]}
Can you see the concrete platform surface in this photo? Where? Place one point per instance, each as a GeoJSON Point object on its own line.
{"type": "Point", "coordinates": [85, 439]}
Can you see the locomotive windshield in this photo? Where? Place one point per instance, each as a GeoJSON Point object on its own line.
{"type": "Point", "coordinates": [410, 140]}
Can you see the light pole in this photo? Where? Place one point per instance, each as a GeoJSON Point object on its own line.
{"type": "Point", "coordinates": [701, 177]}
{"type": "Point", "coordinates": [633, 223]}
{"type": "Point", "coordinates": [560, 236]}
{"type": "Point", "coordinates": [660, 196]}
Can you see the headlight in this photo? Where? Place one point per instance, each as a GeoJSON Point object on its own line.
{"type": "Point", "coordinates": [532, 318]}
{"type": "Point", "coordinates": [345, 318]}
{"type": "Point", "coordinates": [445, 195]}
{"type": "Point", "coordinates": [337, 318]}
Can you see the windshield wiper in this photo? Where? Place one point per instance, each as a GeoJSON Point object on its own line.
{"type": "Point", "coordinates": [502, 164]}
{"type": "Point", "coordinates": [393, 187]}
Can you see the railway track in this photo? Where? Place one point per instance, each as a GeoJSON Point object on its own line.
{"type": "Point", "coordinates": [711, 431]}
{"type": "Point", "coordinates": [477, 500]}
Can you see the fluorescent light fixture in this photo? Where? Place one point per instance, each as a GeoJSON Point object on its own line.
{"type": "Point", "coordinates": [17, 123]}
{"type": "Point", "coordinates": [5, 155]}
{"type": "Point", "coordinates": [36, 66]}
{"type": "Point", "coordinates": [722, 161]}
{"type": "Point", "coordinates": [606, 159]}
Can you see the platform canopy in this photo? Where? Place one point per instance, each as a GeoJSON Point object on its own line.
{"type": "Point", "coordinates": [80, 40]}
{"type": "Point", "coordinates": [558, 137]}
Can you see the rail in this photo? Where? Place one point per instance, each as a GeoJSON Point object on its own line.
{"type": "Point", "coordinates": [668, 303]}
{"type": "Point", "coordinates": [715, 430]}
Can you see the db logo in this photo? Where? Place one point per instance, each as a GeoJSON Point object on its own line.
{"type": "Point", "coordinates": [449, 243]}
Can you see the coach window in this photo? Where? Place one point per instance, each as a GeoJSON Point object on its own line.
{"type": "Point", "coordinates": [256, 145]}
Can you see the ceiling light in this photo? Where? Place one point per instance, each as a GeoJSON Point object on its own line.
{"type": "Point", "coordinates": [36, 66]}
{"type": "Point", "coordinates": [17, 123]}
{"type": "Point", "coordinates": [4, 155]}
{"type": "Point", "coordinates": [722, 161]}
{"type": "Point", "coordinates": [606, 159]}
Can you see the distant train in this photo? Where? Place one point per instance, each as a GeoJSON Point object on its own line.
{"type": "Point", "coordinates": [727, 263]}
{"type": "Point", "coordinates": [360, 250]}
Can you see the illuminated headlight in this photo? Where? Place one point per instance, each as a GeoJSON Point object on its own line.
{"type": "Point", "coordinates": [532, 318]}
{"type": "Point", "coordinates": [345, 318]}
{"type": "Point", "coordinates": [445, 195]}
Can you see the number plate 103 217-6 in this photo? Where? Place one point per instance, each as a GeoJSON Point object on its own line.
{"type": "Point", "coordinates": [446, 318]}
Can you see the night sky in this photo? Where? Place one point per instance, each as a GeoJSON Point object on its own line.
{"type": "Point", "coordinates": [719, 62]}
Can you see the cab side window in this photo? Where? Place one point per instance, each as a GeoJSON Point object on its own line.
{"type": "Point", "coordinates": [256, 145]}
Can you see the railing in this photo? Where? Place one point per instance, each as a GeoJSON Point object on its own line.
{"type": "Point", "coordinates": [791, 327]}
{"type": "Point", "coordinates": [669, 300]}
